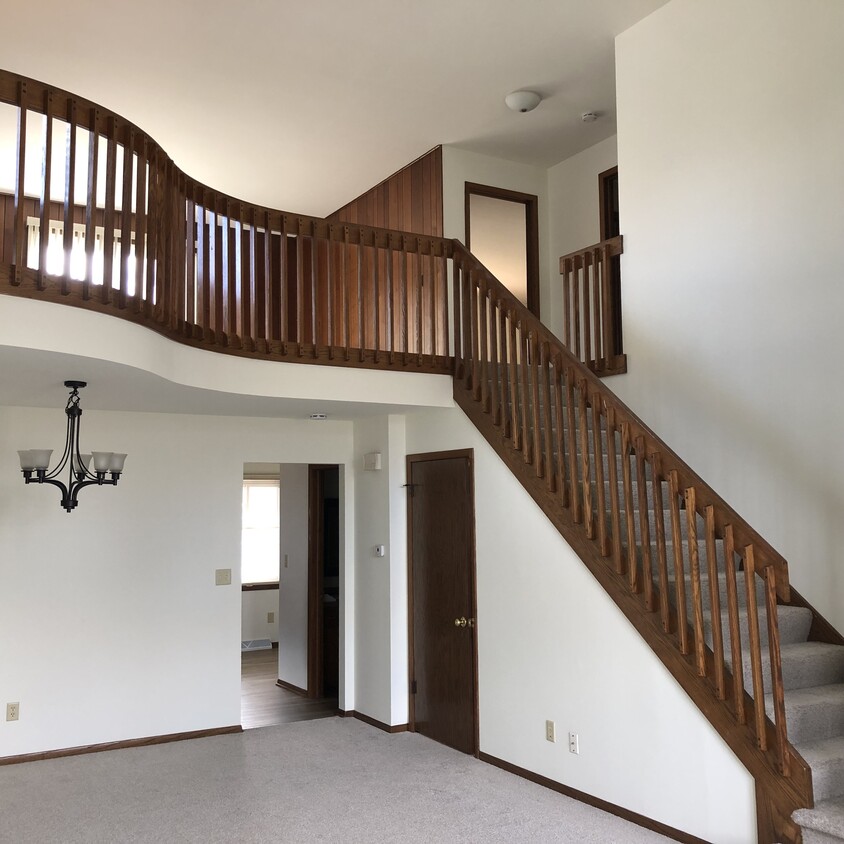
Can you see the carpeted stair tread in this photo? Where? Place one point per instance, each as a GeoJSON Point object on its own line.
{"type": "Point", "coordinates": [804, 664]}
{"type": "Point", "coordinates": [826, 759]}
{"type": "Point", "coordinates": [811, 836]}
{"type": "Point", "coordinates": [827, 818]}
{"type": "Point", "coordinates": [812, 714]}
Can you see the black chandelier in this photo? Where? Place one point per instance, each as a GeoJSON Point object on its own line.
{"type": "Point", "coordinates": [35, 462]}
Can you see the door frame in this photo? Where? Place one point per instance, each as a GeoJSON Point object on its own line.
{"type": "Point", "coordinates": [469, 454]}
{"type": "Point", "coordinates": [316, 514]}
{"type": "Point", "coordinates": [603, 210]}
{"type": "Point", "coordinates": [531, 203]}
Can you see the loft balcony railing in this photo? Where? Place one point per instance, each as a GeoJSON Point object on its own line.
{"type": "Point", "coordinates": [113, 225]}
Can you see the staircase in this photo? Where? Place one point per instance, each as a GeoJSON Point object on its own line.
{"type": "Point", "coordinates": [709, 595]}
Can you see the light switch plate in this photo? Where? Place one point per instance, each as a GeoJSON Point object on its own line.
{"type": "Point", "coordinates": [223, 577]}
{"type": "Point", "coordinates": [372, 461]}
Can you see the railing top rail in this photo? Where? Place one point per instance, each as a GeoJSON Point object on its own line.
{"type": "Point", "coordinates": [55, 102]}
{"type": "Point", "coordinates": [745, 535]}
{"type": "Point", "coordinates": [614, 244]}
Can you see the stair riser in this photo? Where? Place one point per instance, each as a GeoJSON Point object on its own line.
{"type": "Point", "coordinates": [828, 779]}
{"type": "Point", "coordinates": [811, 836]}
{"type": "Point", "coordinates": [706, 595]}
{"type": "Point", "coordinates": [793, 628]}
{"type": "Point", "coordinates": [666, 522]}
{"type": "Point", "coordinates": [797, 673]}
{"type": "Point", "coordinates": [811, 723]}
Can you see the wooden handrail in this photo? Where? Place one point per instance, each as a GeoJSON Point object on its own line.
{"type": "Point", "coordinates": [592, 306]}
{"type": "Point", "coordinates": [744, 533]}
{"type": "Point", "coordinates": [652, 531]}
{"type": "Point", "coordinates": [207, 268]}
{"type": "Point", "coordinates": [614, 245]}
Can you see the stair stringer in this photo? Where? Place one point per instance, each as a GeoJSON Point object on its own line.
{"type": "Point", "coordinates": [777, 796]}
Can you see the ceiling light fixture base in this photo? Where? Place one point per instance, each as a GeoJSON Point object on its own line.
{"type": "Point", "coordinates": [522, 101]}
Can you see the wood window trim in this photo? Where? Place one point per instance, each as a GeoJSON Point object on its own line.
{"type": "Point", "coordinates": [258, 587]}
{"type": "Point", "coordinates": [531, 203]}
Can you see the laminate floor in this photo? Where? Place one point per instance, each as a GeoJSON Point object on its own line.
{"type": "Point", "coordinates": [264, 704]}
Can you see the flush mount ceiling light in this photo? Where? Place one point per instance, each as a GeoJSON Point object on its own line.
{"type": "Point", "coordinates": [35, 462]}
{"type": "Point", "coordinates": [522, 101]}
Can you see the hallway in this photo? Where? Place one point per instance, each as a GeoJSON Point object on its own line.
{"type": "Point", "coordinates": [264, 704]}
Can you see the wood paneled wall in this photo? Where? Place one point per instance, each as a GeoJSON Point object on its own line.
{"type": "Point", "coordinates": [410, 200]}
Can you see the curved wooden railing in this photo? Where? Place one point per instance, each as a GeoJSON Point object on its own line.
{"type": "Point", "coordinates": [591, 279]}
{"type": "Point", "coordinates": [136, 237]}
{"type": "Point", "coordinates": [658, 538]}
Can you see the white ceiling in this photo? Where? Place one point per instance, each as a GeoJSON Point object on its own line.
{"type": "Point", "coordinates": [303, 106]}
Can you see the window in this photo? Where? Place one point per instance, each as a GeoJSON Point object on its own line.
{"type": "Point", "coordinates": [56, 256]}
{"type": "Point", "coordinates": [260, 536]}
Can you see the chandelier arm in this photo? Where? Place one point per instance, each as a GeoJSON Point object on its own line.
{"type": "Point", "coordinates": [73, 495]}
{"type": "Point", "coordinates": [59, 484]}
{"type": "Point", "coordinates": [71, 427]}
{"type": "Point", "coordinates": [87, 474]}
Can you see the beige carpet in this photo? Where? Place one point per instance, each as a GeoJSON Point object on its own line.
{"type": "Point", "coordinates": [331, 780]}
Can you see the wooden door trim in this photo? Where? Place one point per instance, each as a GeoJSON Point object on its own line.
{"type": "Point", "coordinates": [469, 454]}
{"type": "Point", "coordinates": [315, 576]}
{"type": "Point", "coordinates": [531, 203]}
{"type": "Point", "coordinates": [602, 200]}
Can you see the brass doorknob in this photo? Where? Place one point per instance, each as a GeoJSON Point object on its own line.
{"type": "Point", "coordinates": [460, 622]}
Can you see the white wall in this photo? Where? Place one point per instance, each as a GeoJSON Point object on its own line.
{"type": "Point", "coordinates": [381, 591]}
{"type": "Point", "coordinates": [255, 605]}
{"type": "Point", "coordinates": [293, 575]}
{"type": "Point", "coordinates": [111, 623]}
{"type": "Point", "coordinates": [461, 166]}
{"type": "Point", "coordinates": [573, 214]}
{"type": "Point", "coordinates": [730, 120]}
{"type": "Point", "coordinates": [552, 645]}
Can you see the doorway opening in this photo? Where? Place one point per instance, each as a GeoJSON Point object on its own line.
{"type": "Point", "coordinates": [502, 231]}
{"type": "Point", "coordinates": [442, 601]}
{"type": "Point", "coordinates": [276, 649]}
{"type": "Point", "coordinates": [610, 226]}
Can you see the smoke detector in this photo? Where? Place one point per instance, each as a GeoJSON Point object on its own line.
{"type": "Point", "coordinates": [318, 417]}
{"type": "Point", "coordinates": [589, 116]}
{"type": "Point", "coordinates": [522, 101]}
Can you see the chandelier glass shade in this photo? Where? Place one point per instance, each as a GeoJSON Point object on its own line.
{"type": "Point", "coordinates": [107, 465]}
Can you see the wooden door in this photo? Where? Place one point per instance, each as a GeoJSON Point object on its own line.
{"type": "Point", "coordinates": [443, 648]}
{"type": "Point", "coordinates": [323, 582]}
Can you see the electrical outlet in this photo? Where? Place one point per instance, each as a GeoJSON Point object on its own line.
{"type": "Point", "coordinates": [13, 711]}
{"type": "Point", "coordinates": [550, 731]}
{"type": "Point", "coordinates": [574, 743]}
{"type": "Point", "coordinates": [270, 618]}
{"type": "Point", "coordinates": [223, 577]}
